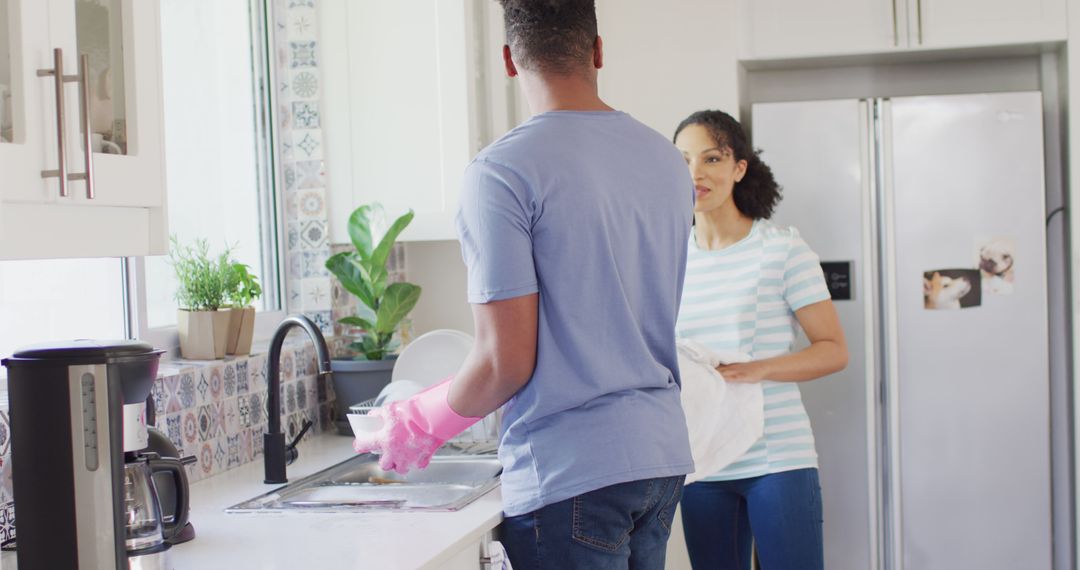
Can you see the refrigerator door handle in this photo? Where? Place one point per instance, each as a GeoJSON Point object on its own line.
{"type": "Point", "coordinates": [888, 345]}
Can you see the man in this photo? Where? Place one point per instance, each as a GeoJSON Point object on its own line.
{"type": "Point", "coordinates": [574, 228]}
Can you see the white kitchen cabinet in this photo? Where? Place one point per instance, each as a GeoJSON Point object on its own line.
{"type": "Point", "coordinates": [115, 103]}
{"type": "Point", "coordinates": [408, 103]}
{"type": "Point", "coordinates": [962, 23]}
{"type": "Point", "coordinates": [476, 555]}
{"type": "Point", "coordinates": [781, 29]}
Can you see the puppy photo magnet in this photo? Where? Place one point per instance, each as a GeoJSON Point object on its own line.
{"type": "Point", "coordinates": [996, 258]}
{"type": "Point", "coordinates": [951, 289]}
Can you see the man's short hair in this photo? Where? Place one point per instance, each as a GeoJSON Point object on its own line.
{"type": "Point", "coordinates": [553, 36]}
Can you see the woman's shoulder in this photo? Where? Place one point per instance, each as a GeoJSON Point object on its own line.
{"type": "Point", "coordinates": [772, 231]}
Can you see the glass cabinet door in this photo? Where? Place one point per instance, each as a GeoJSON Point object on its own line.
{"type": "Point", "coordinates": [6, 129]}
{"type": "Point", "coordinates": [99, 35]}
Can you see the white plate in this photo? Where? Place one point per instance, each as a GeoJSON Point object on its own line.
{"type": "Point", "coordinates": [432, 357]}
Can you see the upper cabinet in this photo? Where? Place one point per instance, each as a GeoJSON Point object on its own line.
{"type": "Point", "coordinates": [410, 99]}
{"type": "Point", "coordinates": [81, 153]}
{"type": "Point", "coordinates": [775, 29]}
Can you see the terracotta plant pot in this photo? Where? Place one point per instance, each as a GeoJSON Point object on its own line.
{"type": "Point", "coordinates": [203, 334]}
{"type": "Point", "coordinates": [241, 330]}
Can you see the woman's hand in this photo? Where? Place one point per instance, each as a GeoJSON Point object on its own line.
{"type": "Point", "coordinates": [746, 373]}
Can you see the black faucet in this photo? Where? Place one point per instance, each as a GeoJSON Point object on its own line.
{"type": "Point", "coordinates": [276, 455]}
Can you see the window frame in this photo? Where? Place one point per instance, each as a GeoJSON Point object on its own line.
{"type": "Point", "coordinates": [271, 215]}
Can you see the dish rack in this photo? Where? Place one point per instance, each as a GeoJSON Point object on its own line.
{"type": "Point", "coordinates": [481, 437]}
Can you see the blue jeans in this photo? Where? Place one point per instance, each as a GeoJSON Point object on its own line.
{"type": "Point", "coordinates": [621, 526]}
{"type": "Point", "coordinates": [781, 512]}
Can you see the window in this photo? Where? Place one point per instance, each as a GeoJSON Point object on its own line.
{"type": "Point", "coordinates": [220, 187]}
{"type": "Point", "coordinates": [60, 299]}
{"type": "Point", "coordinates": [216, 150]}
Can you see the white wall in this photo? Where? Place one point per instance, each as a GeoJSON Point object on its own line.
{"type": "Point", "coordinates": [437, 267]}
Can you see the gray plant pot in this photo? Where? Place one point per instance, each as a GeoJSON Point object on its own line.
{"type": "Point", "coordinates": [356, 381]}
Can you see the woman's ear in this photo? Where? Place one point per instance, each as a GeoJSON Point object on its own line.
{"type": "Point", "coordinates": [740, 170]}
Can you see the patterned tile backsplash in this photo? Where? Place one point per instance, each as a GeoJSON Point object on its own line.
{"type": "Point", "coordinates": [215, 410]}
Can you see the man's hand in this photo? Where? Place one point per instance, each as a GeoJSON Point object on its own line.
{"type": "Point", "coordinates": [413, 429]}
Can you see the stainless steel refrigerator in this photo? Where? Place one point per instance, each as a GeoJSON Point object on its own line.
{"type": "Point", "coordinates": [929, 214]}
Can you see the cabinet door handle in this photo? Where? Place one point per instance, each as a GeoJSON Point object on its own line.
{"type": "Point", "coordinates": [895, 26]}
{"type": "Point", "coordinates": [84, 124]}
{"type": "Point", "coordinates": [918, 17]}
{"type": "Point", "coordinates": [57, 73]}
{"type": "Point", "coordinates": [59, 79]}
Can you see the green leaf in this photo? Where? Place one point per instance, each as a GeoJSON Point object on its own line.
{"type": "Point", "coordinates": [400, 298]}
{"type": "Point", "coordinates": [357, 322]}
{"type": "Point", "coordinates": [371, 348]}
{"type": "Point", "coordinates": [353, 276]}
{"type": "Point", "coordinates": [382, 252]}
{"type": "Point", "coordinates": [360, 231]}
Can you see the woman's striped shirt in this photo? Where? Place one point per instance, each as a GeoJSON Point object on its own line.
{"type": "Point", "coordinates": [743, 298]}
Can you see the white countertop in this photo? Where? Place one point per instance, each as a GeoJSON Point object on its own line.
{"type": "Point", "coordinates": [271, 541]}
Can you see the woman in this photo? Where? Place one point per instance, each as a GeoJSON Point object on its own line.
{"type": "Point", "coordinates": [747, 282]}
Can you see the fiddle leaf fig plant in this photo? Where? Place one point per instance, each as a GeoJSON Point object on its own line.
{"type": "Point", "coordinates": [363, 273]}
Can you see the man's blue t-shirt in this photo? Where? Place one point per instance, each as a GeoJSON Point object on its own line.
{"type": "Point", "coordinates": [593, 211]}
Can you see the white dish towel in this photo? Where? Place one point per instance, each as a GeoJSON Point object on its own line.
{"type": "Point", "coordinates": [724, 420]}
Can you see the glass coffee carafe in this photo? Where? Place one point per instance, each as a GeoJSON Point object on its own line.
{"type": "Point", "coordinates": [146, 532]}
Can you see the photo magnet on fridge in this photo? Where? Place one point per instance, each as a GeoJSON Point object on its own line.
{"type": "Point", "coordinates": [952, 289]}
{"type": "Point", "coordinates": [996, 258]}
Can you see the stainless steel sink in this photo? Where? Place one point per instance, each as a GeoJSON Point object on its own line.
{"type": "Point", "coordinates": [448, 484]}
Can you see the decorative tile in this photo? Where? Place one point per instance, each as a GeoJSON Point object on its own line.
{"type": "Point", "coordinates": [243, 409]}
{"type": "Point", "coordinates": [217, 387]}
{"type": "Point", "coordinates": [232, 450]}
{"type": "Point", "coordinates": [257, 441]}
{"type": "Point", "coordinates": [7, 523]}
{"type": "Point", "coordinates": [172, 384]}
{"type": "Point", "coordinates": [293, 245]}
{"type": "Point", "coordinates": [305, 116]}
{"type": "Point", "coordinates": [174, 429]}
{"type": "Point", "coordinates": [231, 411]}
{"type": "Point", "coordinates": [257, 373]}
{"type": "Point", "coordinates": [302, 23]}
{"type": "Point", "coordinates": [305, 84]}
{"type": "Point", "coordinates": [313, 235]}
{"type": "Point", "coordinates": [310, 174]}
{"type": "Point", "coordinates": [302, 393]}
{"type": "Point", "coordinates": [289, 174]}
{"type": "Point", "coordinates": [229, 377]}
{"type": "Point", "coordinates": [242, 383]}
{"type": "Point", "coordinates": [206, 458]}
{"type": "Point", "coordinates": [290, 397]}
{"type": "Point", "coordinates": [308, 144]}
{"type": "Point", "coordinates": [323, 320]}
{"type": "Point", "coordinates": [293, 295]}
{"type": "Point", "coordinates": [302, 54]}
{"type": "Point", "coordinates": [7, 486]}
{"type": "Point", "coordinates": [218, 410]}
{"type": "Point", "coordinates": [161, 399]}
{"type": "Point", "coordinates": [301, 3]}
{"type": "Point", "coordinates": [316, 294]}
{"type": "Point", "coordinates": [292, 426]}
{"type": "Point", "coordinates": [190, 430]}
{"type": "Point", "coordinates": [220, 456]}
{"type": "Point", "coordinates": [245, 445]}
{"type": "Point", "coordinates": [186, 390]}
{"type": "Point", "coordinates": [5, 434]}
{"type": "Point", "coordinates": [311, 204]}
{"type": "Point", "coordinates": [288, 366]}
{"type": "Point", "coordinates": [207, 422]}
{"type": "Point", "coordinates": [314, 263]}
{"type": "Point", "coordinates": [202, 389]}
{"type": "Point", "coordinates": [256, 409]}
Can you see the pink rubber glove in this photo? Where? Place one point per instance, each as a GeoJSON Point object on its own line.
{"type": "Point", "coordinates": [413, 429]}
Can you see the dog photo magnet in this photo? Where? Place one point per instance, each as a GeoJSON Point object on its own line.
{"type": "Point", "coordinates": [945, 289]}
{"type": "Point", "coordinates": [996, 259]}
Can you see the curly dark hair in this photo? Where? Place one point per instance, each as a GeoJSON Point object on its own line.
{"type": "Point", "coordinates": [757, 194]}
{"type": "Point", "coordinates": [555, 36]}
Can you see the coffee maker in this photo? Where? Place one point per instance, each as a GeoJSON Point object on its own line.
{"type": "Point", "coordinates": [84, 496]}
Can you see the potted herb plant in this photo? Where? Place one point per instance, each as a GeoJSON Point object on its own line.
{"type": "Point", "coordinates": [363, 273]}
{"type": "Point", "coordinates": [203, 285]}
{"type": "Point", "coordinates": [244, 289]}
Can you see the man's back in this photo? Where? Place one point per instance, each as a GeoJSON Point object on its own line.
{"type": "Point", "coordinates": [592, 210]}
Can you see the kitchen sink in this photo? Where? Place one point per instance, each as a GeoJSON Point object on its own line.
{"type": "Point", "coordinates": [357, 484]}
